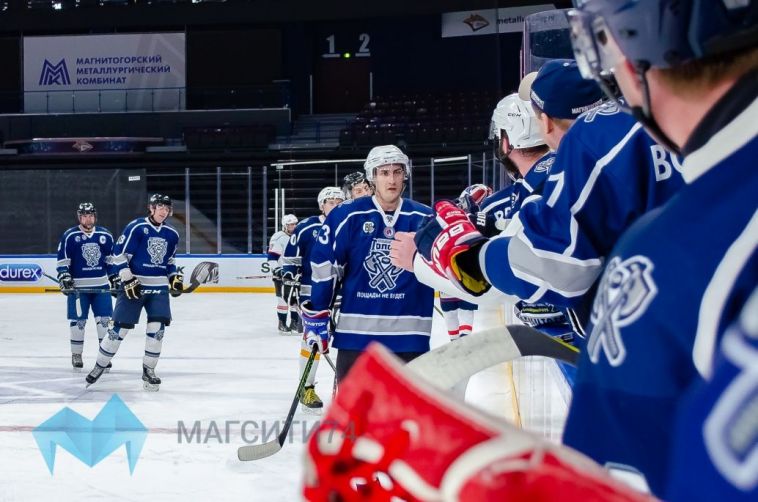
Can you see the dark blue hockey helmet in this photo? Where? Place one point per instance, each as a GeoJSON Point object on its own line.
{"type": "Point", "coordinates": [658, 33]}
{"type": "Point", "coordinates": [86, 208]}
{"type": "Point", "coordinates": [158, 198]}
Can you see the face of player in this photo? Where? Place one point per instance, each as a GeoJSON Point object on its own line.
{"type": "Point", "coordinates": [388, 183]}
{"type": "Point", "coordinates": [360, 190]}
{"type": "Point", "coordinates": [87, 221]}
{"type": "Point", "coordinates": [289, 228]}
{"type": "Point", "coordinates": [330, 204]}
{"type": "Point", "coordinates": [160, 212]}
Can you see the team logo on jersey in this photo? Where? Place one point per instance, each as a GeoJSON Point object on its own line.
{"type": "Point", "coordinates": [91, 253]}
{"type": "Point", "coordinates": [382, 273]}
{"type": "Point", "coordinates": [156, 248]}
{"type": "Point", "coordinates": [626, 290]}
{"type": "Point", "coordinates": [368, 227]}
{"type": "Point", "coordinates": [544, 166]}
{"type": "Point", "coordinates": [389, 232]}
{"type": "Point", "coordinates": [102, 239]}
{"type": "Point", "coordinates": [77, 239]}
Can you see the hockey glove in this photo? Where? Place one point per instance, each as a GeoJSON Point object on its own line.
{"type": "Point", "coordinates": [176, 284]}
{"type": "Point", "coordinates": [389, 435]}
{"type": "Point", "coordinates": [115, 282]}
{"type": "Point", "coordinates": [472, 197]}
{"type": "Point", "coordinates": [450, 244]}
{"type": "Point", "coordinates": [132, 288]}
{"type": "Point", "coordinates": [65, 282]}
{"type": "Point", "coordinates": [315, 327]}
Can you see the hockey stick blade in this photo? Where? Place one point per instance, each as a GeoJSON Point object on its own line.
{"type": "Point", "coordinates": [258, 451]}
{"type": "Point", "coordinates": [447, 365]}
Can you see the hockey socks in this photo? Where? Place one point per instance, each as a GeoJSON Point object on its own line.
{"type": "Point", "coordinates": [153, 344]}
{"type": "Point", "coordinates": [77, 336]}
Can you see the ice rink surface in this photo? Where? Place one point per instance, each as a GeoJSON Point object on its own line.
{"type": "Point", "coordinates": [223, 364]}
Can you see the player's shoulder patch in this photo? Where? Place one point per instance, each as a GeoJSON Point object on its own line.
{"type": "Point", "coordinates": [544, 165]}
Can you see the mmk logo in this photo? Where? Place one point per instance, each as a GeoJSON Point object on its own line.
{"type": "Point", "coordinates": [54, 74]}
{"type": "Point", "coordinates": [92, 440]}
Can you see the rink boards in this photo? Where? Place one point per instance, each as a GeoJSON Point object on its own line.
{"type": "Point", "coordinates": [239, 273]}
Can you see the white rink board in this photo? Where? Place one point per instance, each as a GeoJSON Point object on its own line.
{"type": "Point", "coordinates": [27, 273]}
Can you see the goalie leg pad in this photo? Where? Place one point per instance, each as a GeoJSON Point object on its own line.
{"type": "Point", "coordinates": [390, 434]}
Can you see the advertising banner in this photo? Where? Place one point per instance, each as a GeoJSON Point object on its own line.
{"type": "Point", "coordinates": [121, 72]}
{"type": "Point", "coordinates": [488, 21]}
{"type": "Point", "coordinates": [202, 273]}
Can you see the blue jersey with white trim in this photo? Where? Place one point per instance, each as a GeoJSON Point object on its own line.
{"type": "Point", "coordinates": [86, 256]}
{"type": "Point", "coordinates": [297, 256]}
{"type": "Point", "coordinates": [716, 433]}
{"type": "Point", "coordinates": [148, 251]}
{"type": "Point", "coordinates": [496, 210]}
{"type": "Point", "coordinates": [662, 301]}
{"type": "Point", "coordinates": [607, 173]}
{"type": "Point", "coordinates": [380, 302]}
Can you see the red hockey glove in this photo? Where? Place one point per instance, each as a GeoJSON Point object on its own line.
{"type": "Point", "coordinates": [450, 244]}
{"type": "Point", "coordinates": [472, 197]}
{"type": "Point", "coordinates": [388, 435]}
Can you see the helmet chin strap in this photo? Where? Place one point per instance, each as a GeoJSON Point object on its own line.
{"type": "Point", "coordinates": [644, 113]}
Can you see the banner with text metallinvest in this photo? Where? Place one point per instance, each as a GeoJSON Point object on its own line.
{"type": "Point", "coordinates": [90, 73]}
{"type": "Point", "coordinates": [488, 21]}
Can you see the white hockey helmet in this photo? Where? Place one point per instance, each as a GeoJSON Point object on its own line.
{"type": "Point", "coordinates": [516, 117]}
{"type": "Point", "coordinates": [327, 193]}
{"type": "Point", "coordinates": [289, 219]}
{"type": "Point", "coordinates": [385, 155]}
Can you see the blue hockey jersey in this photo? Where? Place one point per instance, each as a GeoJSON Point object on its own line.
{"type": "Point", "coordinates": [607, 173]}
{"type": "Point", "coordinates": [297, 255]}
{"type": "Point", "coordinates": [663, 298]}
{"type": "Point", "coordinates": [716, 433]}
{"type": "Point", "coordinates": [496, 210]}
{"type": "Point", "coordinates": [148, 251]}
{"type": "Point", "coordinates": [87, 257]}
{"type": "Point", "coordinates": [380, 302]}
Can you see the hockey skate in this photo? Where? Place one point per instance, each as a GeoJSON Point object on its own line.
{"type": "Point", "coordinates": [95, 374]}
{"type": "Point", "coordinates": [283, 329]}
{"type": "Point", "coordinates": [76, 362]}
{"type": "Point", "coordinates": [107, 369]}
{"type": "Point", "coordinates": [296, 327]}
{"type": "Point", "coordinates": [310, 401]}
{"type": "Point", "coordinates": [150, 382]}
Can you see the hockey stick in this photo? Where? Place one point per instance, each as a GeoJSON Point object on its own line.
{"type": "Point", "coordinates": [449, 364]}
{"type": "Point", "coordinates": [334, 368]}
{"type": "Point", "coordinates": [254, 276]}
{"type": "Point", "coordinates": [257, 451]}
{"type": "Point", "coordinates": [78, 291]}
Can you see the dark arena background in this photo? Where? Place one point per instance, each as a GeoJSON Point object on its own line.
{"type": "Point", "coordinates": [265, 82]}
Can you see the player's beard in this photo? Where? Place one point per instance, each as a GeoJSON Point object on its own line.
{"type": "Point", "coordinates": [510, 167]}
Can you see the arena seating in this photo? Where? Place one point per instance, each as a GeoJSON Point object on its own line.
{"type": "Point", "coordinates": [446, 118]}
{"type": "Point", "coordinates": [256, 136]}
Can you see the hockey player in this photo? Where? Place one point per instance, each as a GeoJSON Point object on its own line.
{"type": "Point", "coordinates": [381, 302]}
{"type": "Point", "coordinates": [607, 173]}
{"type": "Point", "coordinates": [144, 257]}
{"type": "Point", "coordinates": [355, 185]}
{"type": "Point", "coordinates": [679, 276]}
{"type": "Point", "coordinates": [297, 268]}
{"type": "Point", "coordinates": [276, 247]}
{"type": "Point", "coordinates": [84, 261]}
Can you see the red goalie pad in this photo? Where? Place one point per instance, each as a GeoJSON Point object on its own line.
{"type": "Point", "coordinates": [390, 434]}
